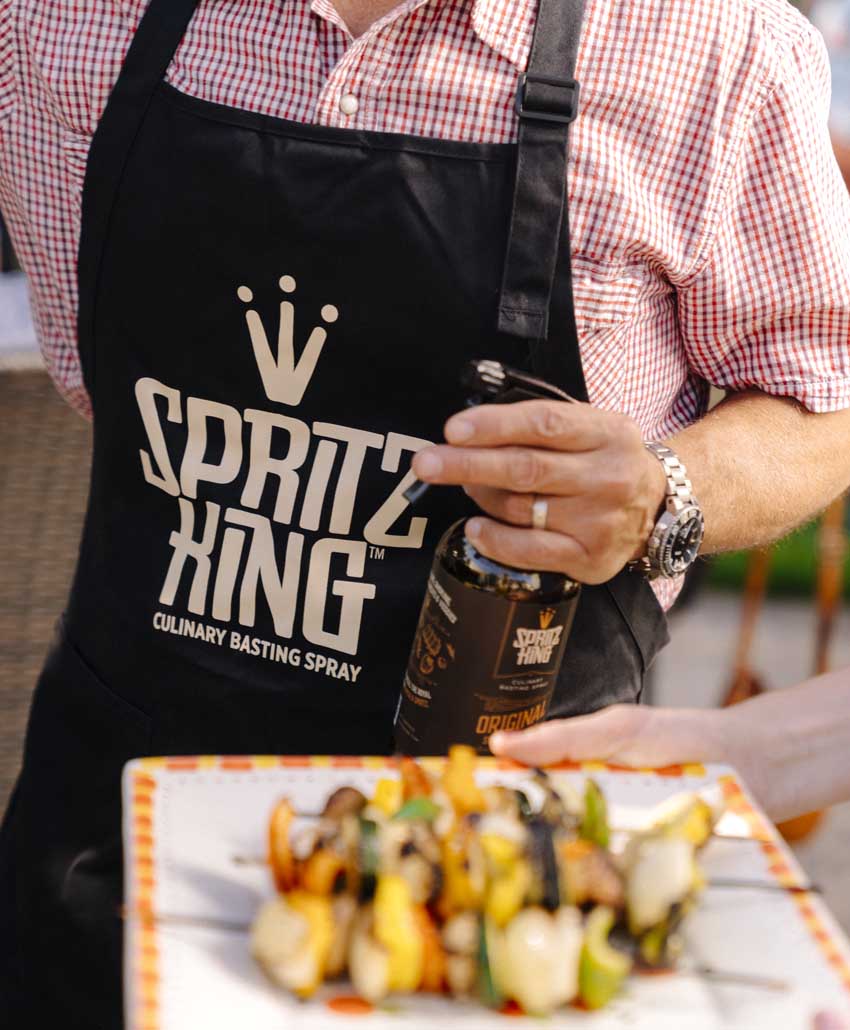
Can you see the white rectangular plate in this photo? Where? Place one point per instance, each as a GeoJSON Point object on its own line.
{"type": "Point", "coordinates": [186, 819]}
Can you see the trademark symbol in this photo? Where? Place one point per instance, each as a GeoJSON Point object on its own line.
{"type": "Point", "coordinates": [376, 552]}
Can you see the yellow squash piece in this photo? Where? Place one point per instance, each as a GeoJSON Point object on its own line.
{"type": "Point", "coordinates": [397, 930]}
{"type": "Point", "coordinates": [320, 871]}
{"type": "Point", "coordinates": [319, 917]}
{"type": "Point", "coordinates": [278, 939]}
{"type": "Point", "coordinates": [280, 852]}
{"type": "Point", "coordinates": [686, 816]}
{"type": "Point", "coordinates": [291, 938]}
{"type": "Point", "coordinates": [434, 957]}
{"type": "Point", "coordinates": [463, 873]}
{"type": "Point", "coordinates": [368, 962]}
{"type": "Point", "coordinates": [459, 781]}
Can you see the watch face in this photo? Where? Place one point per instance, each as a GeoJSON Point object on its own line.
{"type": "Point", "coordinates": [678, 542]}
{"type": "Point", "coordinates": [685, 544]}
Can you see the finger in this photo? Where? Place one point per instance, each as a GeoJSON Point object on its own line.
{"type": "Point", "coordinates": [575, 516]}
{"type": "Point", "coordinates": [631, 735]}
{"type": "Point", "coordinates": [554, 425]}
{"type": "Point", "coordinates": [597, 736]}
{"type": "Point", "coordinates": [519, 469]}
{"type": "Point", "coordinates": [830, 1021]}
{"type": "Point", "coordinates": [536, 549]}
{"type": "Point", "coordinates": [505, 505]}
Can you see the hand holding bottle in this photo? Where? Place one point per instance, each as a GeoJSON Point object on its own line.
{"type": "Point", "coordinates": [602, 489]}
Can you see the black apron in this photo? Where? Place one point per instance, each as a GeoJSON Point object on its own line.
{"type": "Point", "coordinates": [273, 318]}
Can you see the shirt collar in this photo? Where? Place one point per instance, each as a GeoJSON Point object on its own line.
{"type": "Point", "coordinates": [325, 9]}
{"type": "Point", "coordinates": [507, 26]}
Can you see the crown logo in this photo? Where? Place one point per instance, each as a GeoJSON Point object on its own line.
{"type": "Point", "coordinates": [285, 380]}
{"type": "Point", "coordinates": [546, 616]}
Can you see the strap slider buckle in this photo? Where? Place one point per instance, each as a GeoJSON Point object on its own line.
{"type": "Point", "coordinates": [562, 108]}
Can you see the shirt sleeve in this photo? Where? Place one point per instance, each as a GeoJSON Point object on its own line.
{"type": "Point", "coordinates": [7, 60]}
{"type": "Point", "coordinates": [769, 306]}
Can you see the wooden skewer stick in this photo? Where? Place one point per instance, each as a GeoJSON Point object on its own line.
{"type": "Point", "coordinates": [740, 837]}
{"type": "Point", "coordinates": [765, 885]}
{"type": "Point", "coordinates": [257, 860]}
{"type": "Point", "coordinates": [172, 919]}
{"type": "Point", "coordinates": [232, 926]}
{"type": "Point", "coordinates": [768, 983]}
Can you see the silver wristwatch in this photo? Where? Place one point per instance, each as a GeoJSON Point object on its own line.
{"type": "Point", "coordinates": [676, 538]}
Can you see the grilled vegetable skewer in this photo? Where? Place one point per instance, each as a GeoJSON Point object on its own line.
{"type": "Point", "coordinates": [441, 884]}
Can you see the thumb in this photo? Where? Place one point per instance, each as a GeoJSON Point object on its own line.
{"type": "Point", "coordinates": [600, 736]}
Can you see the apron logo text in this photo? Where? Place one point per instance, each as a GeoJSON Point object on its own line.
{"type": "Point", "coordinates": [304, 476]}
{"type": "Point", "coordinates": [311, 660]}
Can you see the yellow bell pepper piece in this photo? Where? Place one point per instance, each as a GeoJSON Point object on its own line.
{"type": "Point", "coordinates": [697, 824]}
{"type": "Point", "coordinates": [499, 850]}
{"type": "Point", "coordinates": [388, 796]}
{"type": "Point", "coordinates": [460, 890]}
{"type": "Point", "coordinates": [506, 893]}
{"type": "Point", "coordinates": [397, 929]}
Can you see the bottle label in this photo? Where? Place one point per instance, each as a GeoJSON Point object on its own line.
{"type": "Point", "coordinates": [480, 662]}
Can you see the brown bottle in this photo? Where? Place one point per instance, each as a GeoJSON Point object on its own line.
{"type": "Point", "coordinates": [487, 650]}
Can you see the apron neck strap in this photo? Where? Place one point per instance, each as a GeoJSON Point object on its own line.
{"type": "Point", "coordinates": [546, 103]}
{"type": "Point", "coordinates": [538, 238]}
{"type": "Point", "coordinates": [159, 33]}
{"type": "Point", "coordinates": [154, 44]}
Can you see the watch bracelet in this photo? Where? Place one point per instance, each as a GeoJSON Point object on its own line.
{"type": "Point", "coordinates": [678, 496]}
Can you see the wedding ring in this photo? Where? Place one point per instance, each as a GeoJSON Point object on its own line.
{"type": "Point", "coordinates": [539, 513]}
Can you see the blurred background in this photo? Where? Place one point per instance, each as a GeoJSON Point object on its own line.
{"type": "Point", "coordinates": [747, 621]}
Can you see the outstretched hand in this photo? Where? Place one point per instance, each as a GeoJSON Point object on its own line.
{"type": "Point", "coordinates": [631, 735]}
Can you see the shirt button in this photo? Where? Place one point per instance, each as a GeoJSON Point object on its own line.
{"type": "Point", "coordinates": [348, 104]}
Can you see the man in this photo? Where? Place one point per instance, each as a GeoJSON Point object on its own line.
{"type": "Point", "coordinates": [792, 746]}
{"type": "Point", "coordinates": [295, 223]}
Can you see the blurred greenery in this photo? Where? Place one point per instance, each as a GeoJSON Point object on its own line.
{"type": "Point", "coordinates": [792, 568]}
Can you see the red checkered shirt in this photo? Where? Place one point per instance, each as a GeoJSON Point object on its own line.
{"type": "Point", "coordinates": [710, 225]}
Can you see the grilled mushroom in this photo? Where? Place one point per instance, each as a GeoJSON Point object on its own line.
{"type": "Point", "coordinates": [344, 801]}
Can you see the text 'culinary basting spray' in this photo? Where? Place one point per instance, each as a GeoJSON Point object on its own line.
{"type": "Point", "coordinates": [490, 638]}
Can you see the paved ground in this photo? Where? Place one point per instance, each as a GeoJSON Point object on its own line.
{"type": "Point", "coordinates": [43, 471]}
{"type": "Point", "coordinates": [43, 484]}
